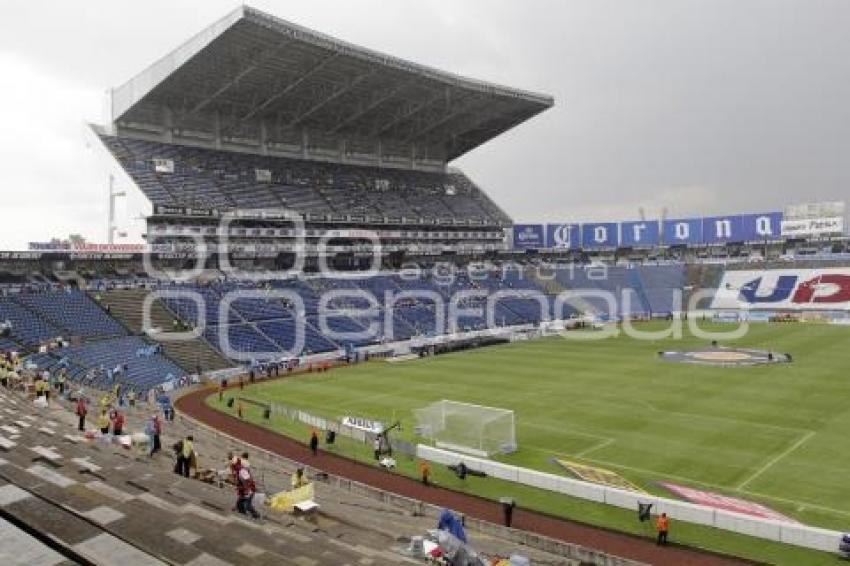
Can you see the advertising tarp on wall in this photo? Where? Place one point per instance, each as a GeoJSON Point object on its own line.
{"type": "Point", "coordinates": [778, 289]}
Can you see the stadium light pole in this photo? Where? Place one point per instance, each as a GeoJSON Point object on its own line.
{"type": "Point", "coordinates": [113, 194]}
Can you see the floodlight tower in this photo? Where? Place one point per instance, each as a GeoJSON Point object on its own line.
{"type": "Point", "coordinates": [111, 228]}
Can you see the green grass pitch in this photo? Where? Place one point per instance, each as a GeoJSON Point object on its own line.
{"type": "Point", "coordinates": [773, 434]}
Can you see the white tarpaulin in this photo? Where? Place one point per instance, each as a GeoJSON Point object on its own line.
{"type": "Point", "coordinates": [792, 289]}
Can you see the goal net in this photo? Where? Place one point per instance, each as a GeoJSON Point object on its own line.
{"type": "Point", "coordinates": [473, 429]}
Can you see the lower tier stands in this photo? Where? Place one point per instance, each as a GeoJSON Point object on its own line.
{"type": "Point", "coordinates": [130, 361]}
{"type": "Point", "coordinates": [264, 324]}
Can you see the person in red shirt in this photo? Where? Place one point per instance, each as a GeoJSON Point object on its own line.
{"type": "Point", "coordinates": [157, 431]}
{"type": "Point", "coordinates": [234, 464]}
{"type": "Point", "coordinates": [117, 423]}
{"type": "Point", "coordinates": [82, 410]}
{"type": "Point", "coordinates": [662, 525]}
{"type": "Point", "coordinates": [245, 490]}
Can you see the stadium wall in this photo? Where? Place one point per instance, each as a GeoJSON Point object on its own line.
{"type": "Point", "coordinates": [779, 531]}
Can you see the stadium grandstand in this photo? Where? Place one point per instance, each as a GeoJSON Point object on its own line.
{"type": "Point", "coordinates": [255, 114]}
{"type": "Point", "coordinates": [301, 212]}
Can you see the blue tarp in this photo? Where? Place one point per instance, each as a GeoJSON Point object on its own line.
{"type": "Point", "coordinates": [449, 522]}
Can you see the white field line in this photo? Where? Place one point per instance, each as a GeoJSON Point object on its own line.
{"type": "Point", "coordinates": [775, 459]}
{"type": "Point", "coordinates": [738, 422]}
{"type": "Point", "coordinates": [566, 431]}
{"type": "Point", "coordinates": [594, 448]}
{"type": "Point", "coordinates": [719, 488]}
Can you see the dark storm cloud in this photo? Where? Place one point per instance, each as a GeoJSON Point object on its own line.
{"type": "Point", "coordinates": [699, 106]}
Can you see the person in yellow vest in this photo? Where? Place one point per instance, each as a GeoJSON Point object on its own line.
{"type": "Point", "coordinates": [184, 459]}
{"type": "Point", "coordinates": [60, 381]}
{"type": "Point", "coordinates": [424, 471]}
{"type": "Point", "coordinates": [103, 422]}
{"type": "Point", "coordinates": [298, 479]}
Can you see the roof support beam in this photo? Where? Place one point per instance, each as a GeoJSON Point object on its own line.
{"type": "Point", "coordinates": [259, 60]}
{"type": "Point", "coordinates": [474, 119]}
{"type": "Point", "coordinates": [291, 86]}
{"type": "Point", "coordinates": [377, 102]}
{"type": "Point", "coordinates": [411, 112]}
{"type": "Point", "coordinates": [330, 98]}
{"type": "Point", "coordinates": [447, 118]}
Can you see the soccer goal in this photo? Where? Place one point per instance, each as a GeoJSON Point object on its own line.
{"type": "Point", "coordinates": [463, 427]}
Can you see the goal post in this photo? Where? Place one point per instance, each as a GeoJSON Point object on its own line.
{"type": "Point", "coordinates": [465, 427]}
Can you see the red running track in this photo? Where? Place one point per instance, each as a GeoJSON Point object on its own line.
{"type": "Point", "coordinates": [611, 542]}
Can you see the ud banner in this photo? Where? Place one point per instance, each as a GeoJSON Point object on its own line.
{"type": "Point", "coordinates": [599, 235]}
{"type": "Point", "coordinates": [789, 289]}
{"type": "Point", "coordinates": [760, 227]}
{"type": "Point", "coordinates": [722, 229]}
{"type": "Point", "coordinates": [528, 236]}
{"type": "Point", "coordinates": [563, 236]}
{"type": "Point", "coordinates": [682, 232]}
{"type": "Point", "coordinates": [639, 233]}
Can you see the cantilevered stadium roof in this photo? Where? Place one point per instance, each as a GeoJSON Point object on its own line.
{"type": "Point", "coordinates": [254, 78]}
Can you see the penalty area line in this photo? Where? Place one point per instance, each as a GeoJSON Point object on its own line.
{"type": "Point", "coordinates": [594, 448]}
{"type": "Point", "coordinates": [776, 459]}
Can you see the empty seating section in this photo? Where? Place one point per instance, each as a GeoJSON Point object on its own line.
{"type": "Point", "coordinates": [260, 309]}
{"type": "Point", "coordinates": [27, 327]}
{"type": "Point", "coordinates": [284, 333]}
{"type": "Point", "coordinates": [73, 311]}
{"type": "Point", "coordinates": [206, 178]}
{"type": "Point", "coordinates": [609, 291]}
{"type": "Point", "coordinates": [662, 286]}
{"type": "Point", "coordinates": [241, 339]}
{"type": "Point", "coordinates": [264, 322]}
{"type": "Point", "coordinates": [92, 363]}
{"type": "Point", "coordinates": [8, 345]}
{"type": "Point", "coordinates": [184, 304]}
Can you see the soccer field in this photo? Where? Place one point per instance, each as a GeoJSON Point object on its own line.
{"type": "Point", "coordinates": [774, 434]}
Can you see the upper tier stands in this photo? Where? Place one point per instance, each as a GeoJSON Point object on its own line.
{"type": "Point", "coordinates": [211, 179]}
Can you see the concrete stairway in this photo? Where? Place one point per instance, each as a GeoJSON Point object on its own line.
{"type": "Point", "coordinates": [127, 306]}
{"type": "Point", "coordinates": [105, 505]}
{"type": "Point", "coordinates": [183, 521]}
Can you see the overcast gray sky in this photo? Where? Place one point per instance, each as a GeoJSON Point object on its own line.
{"type": "Point", "coordinates": [702, 106]}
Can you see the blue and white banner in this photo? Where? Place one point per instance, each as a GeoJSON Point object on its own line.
{"type": "Point", "coordinates": [648, 233]}
{"type": "Point", "coordinates": [760, 227]}
{"type": "Point", "coordinates": [722, 229]}
{"type": "Point", "coordinates": [639, 233]}
{"type": "Point", "coordinates": [600, 235]}
{"type": "Point", "coordinates": [528, 236]}
{"type": "Point", "coordinates": [563, 236]}
{"type": "Point", "coordinates": [683, 231]}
